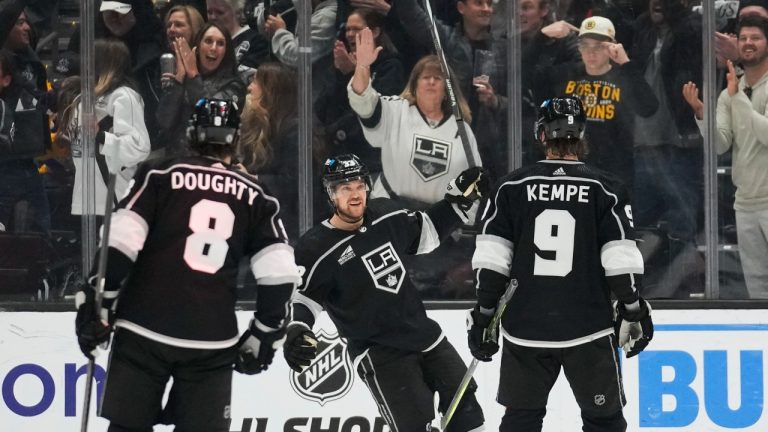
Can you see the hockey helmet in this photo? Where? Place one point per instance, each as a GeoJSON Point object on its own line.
{"type": "Point", "coordinates": [561, 117]}
{"type": "Point", "coordinates": [214, 121]}
{"type": "Point", "coordinates": [341, 169]}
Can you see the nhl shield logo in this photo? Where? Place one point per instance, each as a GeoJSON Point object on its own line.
{"type": "Point", "coordinates": [329, 376]}
{"type": "Point", "coordinates": [385, 267]}
{"type": "Point", "coordinates": [430, 158]}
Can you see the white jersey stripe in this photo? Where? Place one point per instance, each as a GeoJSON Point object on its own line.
{"type": "Point", "coordinates": [493, 253]}
{"type": "Point", "coordinates": [182, 343]}
{"type": "Point", "coordinates": [621, 257]}
{"type": "Point", "coordinates": [129, 231]}
{"type": "Point", "coordinates": [275, 265]}
{"type": "Point", "coordinates": [429, 239]}
{"type": "Point", "coordinates": [556, 344]}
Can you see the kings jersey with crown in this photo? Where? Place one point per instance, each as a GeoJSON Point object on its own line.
{"type": "Point", "coordinates": [360, 279]}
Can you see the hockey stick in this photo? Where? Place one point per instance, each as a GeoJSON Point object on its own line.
{"type": "Point", "coordinates": [100, 276]}
{"type": "Point", "coordinates": [493, 335]}
{"type": "Point", "coordinates": [449, 86]}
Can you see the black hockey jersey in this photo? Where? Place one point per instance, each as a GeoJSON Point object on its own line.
{"type": "Point", "coordinates": [186, 223]}
{"type": "Point", "coordinates": [360, 279]}
{"type": "Point", "coordinates": [563, 231]}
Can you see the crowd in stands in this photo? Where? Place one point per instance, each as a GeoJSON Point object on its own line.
{"type": "Point", "coordinates": [379, 91]}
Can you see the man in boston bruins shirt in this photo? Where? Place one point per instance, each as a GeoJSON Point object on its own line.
{"type": "Point", "coordinates": [613, 92]}
{"type": "Point", "coordinates": [560, 234]}
{"type": "Point", "coordinates": [175, 244]}
{"type": "Point", "coordinates": [355, 272]}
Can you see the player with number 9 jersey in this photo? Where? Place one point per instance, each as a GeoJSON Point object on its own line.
{"type": "Point", "coordinates": [546, 226]}
{"type": "Point", "coordinates": [559, 234]}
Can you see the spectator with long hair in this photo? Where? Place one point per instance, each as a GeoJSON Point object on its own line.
{"type": "Point", "coordinates": [135, 23]}
{"type": "Point", "coordinates": [269, 136]}
{"type": "Point", "coordinates": [206, 70]}
{"type": "Point", "coordinates": [122, 140]}
{"type": "Point", "coordinates": [342, 129]}
{"type": "Point", "coordinates": [251, 48]}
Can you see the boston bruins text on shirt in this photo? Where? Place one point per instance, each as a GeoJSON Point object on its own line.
{"type": "Point", "coordinates": [544, 226]}
{"type": "Point", "coordinates": [359, 278]}
{"type": "Point", "coordinates": [187, 223]}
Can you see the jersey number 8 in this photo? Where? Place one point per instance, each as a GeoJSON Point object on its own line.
{"type": "Point", "coordinates": [212, 224]}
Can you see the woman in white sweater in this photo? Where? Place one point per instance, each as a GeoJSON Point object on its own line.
{"type": "Point", "coordinates": [122, 141]}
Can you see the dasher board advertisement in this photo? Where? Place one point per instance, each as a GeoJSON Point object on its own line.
{"type": "Point", "coordinates": [705, 370]}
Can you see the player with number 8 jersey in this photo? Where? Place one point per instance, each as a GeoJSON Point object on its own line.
{"type": "Point", "coordinates": [176, 242]}
{"type": "Point", "coordinates": [560, 233]}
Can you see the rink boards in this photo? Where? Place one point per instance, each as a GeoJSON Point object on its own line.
{"type": "Point", "coordinates": [704, 371]}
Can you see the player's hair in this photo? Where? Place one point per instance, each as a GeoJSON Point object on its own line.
{"type": "Point", "coordinates": [194, 19]}
{"type": "Point", "coordinates": [562, 147]}
{"type": "Point", "coordinates": [216, 151]}
{"type": "Point", "coordinates": [228, 63]}
{"type": "Point", "coordinates": [431, 63]}
{"type": "Point", "coordinates": [753, 21]}
{"type": "Point", "coordinates": [265, 119]}
{"type": "Point", "coordinates": [375, 20]}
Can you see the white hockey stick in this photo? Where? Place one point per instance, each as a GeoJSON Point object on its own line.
{"type": "Point", "coordinates": [493, 335]}
{"type": "Point", "coordinates": [99, 294]}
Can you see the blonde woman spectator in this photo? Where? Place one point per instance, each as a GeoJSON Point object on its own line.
{"type": "Point", "coordinates": [182, 21]}
{"type": "Point", "coordinates": [417, 132]}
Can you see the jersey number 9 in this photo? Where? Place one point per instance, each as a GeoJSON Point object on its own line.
{"type": "Point", "coordinates": [554, 231]}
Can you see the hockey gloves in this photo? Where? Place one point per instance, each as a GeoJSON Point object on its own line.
{"type": "Point", "coordinates": [481, 345]}
{"type": "Point", "coordinates": [257, 347]}
{"type": "Point", "coordinates": [300, 347]}
{"type": "Point", "coordinates": [92, 327]}
{"type": "Point", "coordinates": [634, 327]}
{"type": "Point", "coordinates": [471, 185]}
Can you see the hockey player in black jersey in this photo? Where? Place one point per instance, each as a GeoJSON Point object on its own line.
{"type": "Point", "coordinates": [561, 233]}
{"type": "Point", "coordinates": [176, 240]}
{"type": "Point", "coordinates": [355, 272]}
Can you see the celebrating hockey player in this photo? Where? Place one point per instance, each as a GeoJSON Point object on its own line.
{"type": "Point", "coordinates": [174, 248]}
{"type": "Point", "coordinates": [560, 232]}
{"type": "Point", "coordinates": [354, 271]}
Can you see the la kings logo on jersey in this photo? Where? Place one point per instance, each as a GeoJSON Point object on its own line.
{"type": "Point", "coordinates": [329, 376]}
{"type": "Point", "coordinates": [430, 158]}
{"type": "Point", "coordinates": [385, 267]}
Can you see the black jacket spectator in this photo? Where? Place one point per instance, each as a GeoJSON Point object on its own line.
{"type": "Point", "coordinates": [680, 58]}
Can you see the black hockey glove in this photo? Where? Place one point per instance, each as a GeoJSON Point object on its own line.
{"type": "Point", "coordinates": [471, 185]}
{"type": "Point", "coordinates": [634, 328]}
{"type": "Point", "coordinates": [480, 344]}
{"type": "Point", "coordinates": [300, 347]}
{"type": "Point", "coordinates": [257, 347]}
{"type": "Point", "coordinates": [92, 327]}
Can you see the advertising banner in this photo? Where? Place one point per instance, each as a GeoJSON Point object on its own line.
{"type": "Point", "coordinates": [704, 371]}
